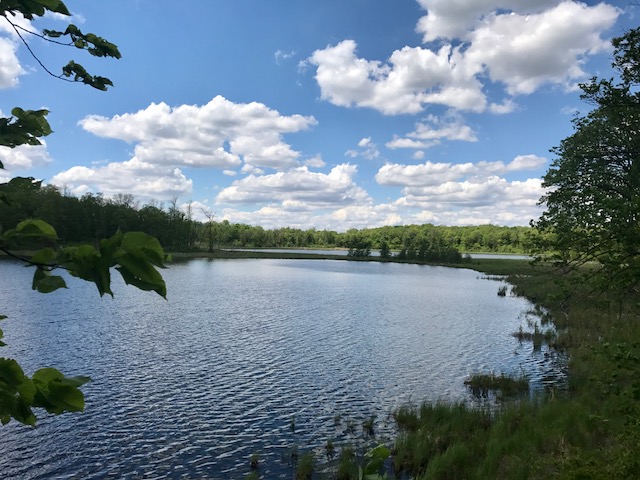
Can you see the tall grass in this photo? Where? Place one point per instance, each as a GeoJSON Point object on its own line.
{"type": "Point", "coordinates": [589, 431]}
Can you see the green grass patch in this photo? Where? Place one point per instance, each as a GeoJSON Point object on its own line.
{"type": "Point", "coordinates": [481, 384]}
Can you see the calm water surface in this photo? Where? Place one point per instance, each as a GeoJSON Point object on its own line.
{"type": "Point", "coordinates": [192, 386]}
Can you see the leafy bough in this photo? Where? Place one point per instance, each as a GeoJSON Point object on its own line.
{"type": "Point", "coordinates": [135, 255]}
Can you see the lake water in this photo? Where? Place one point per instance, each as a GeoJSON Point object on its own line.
{"type": "Point", "coordinates": [193, 386]}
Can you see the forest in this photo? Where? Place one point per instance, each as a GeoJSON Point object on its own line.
{"type": "Point", "coordinates": [93, 216]}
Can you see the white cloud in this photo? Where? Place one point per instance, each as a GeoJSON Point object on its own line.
{"type": "Point", "coordinates": [145, 180]}
{"type": "Point", "coordinates": [10, 69]}
{"type": "Point", "coordinates": [219, 134]}
{"type": "Point", "coordinates": [24, 157]}
{"type": "Point", "coordinates": [526, 51]}
{"type": "Point", "coordinates": [519, 44]}
{"type": "Point", "coordinates": [526, 162]}
{"type": "Point", "coordinates": [476, 201]}
{"type": "Point", "coordinates": [466, 193]}
{"type": "Point", "coordinates": [315, 162]}
{"type": "Point", "coordinates": [281, 56]}
{"type": "Point", "coordinates": [430, 131]}
{"type": "Point", "coordinates": [447, 19]}
{"type": "Point", "coordinates": [316, 190]}
{"type": "Point", "coordinates": [412, 78]}
{"type": "Point", "coordinates": [431, 174]}
{"type": "Point", "coordinates": [425, 174]}
{"type": "Point", "coordinates": [298, 216]}
{"type": "Point", "coordinates": [366, 149]}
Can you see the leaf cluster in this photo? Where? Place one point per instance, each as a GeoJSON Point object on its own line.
{"type": "Point", "coordinates": [592, 217]}
{"type": "Point", "coordinates": [92, 43]}
{"type": "Point", "coordinates": [24, 127]}
{"type": "Point", "coordinates": [48, 388]}
{"type": "Point", "coordinates": [135, 255]}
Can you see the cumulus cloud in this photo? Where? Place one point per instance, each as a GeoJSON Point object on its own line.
{"type": "Point", "coordinates": [476, 201]}
{"type": "Point", "coordinates": [315, 161]}
{"type": "Point", "coordinates": [526, 51]}
{"type": "Point", "coordinates": [313, 189]}
{"type": "Point", "coordinates": [431, 174]}
{"type": "Point", "coordinates": [366, 149]}
{"type": "Point", "coordinates": [448, 19]}
{"type": "Point", "coordinates": [466, 193]}
{"type": "Point", "coordinates": [10, 68]}
{"type": "Point", "coordinates": [219, 134]}
{"type": "Point", "coordinates": [24, 157]}
{"type": "Point", "coordinates": [411, 78]}
{"type": "Point", "coordinates": [146, 180]}
{"type": "Point", "coordinates": [516, 43]}
{"type": "Point", "coordinates": [432, 130]}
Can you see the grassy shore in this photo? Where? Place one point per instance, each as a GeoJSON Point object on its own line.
{"type": "Point", "coordinates": [591, 430]}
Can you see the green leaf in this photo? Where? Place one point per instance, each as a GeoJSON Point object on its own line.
{"type": "Point", "coordinates": [44, 282]}
{"type": "Point", "coordinates": [44, 256]}
{"type": "Point", "coordinates": [86, 263]}
{"type": "Point", "coordinates": [148, 245]}
{"type": "Point", "coordinates": [36, 228]}
{"type": "Point", "coordinates": [57, 393]}
{"type": "Point", "coordinates": [56, 6]}
{"type": "Point", "coordinates": [24, 127]}
{"type": "Point", "coordinates": [381, 452]}
{"type": "Point", "coordinates": [52, 33]}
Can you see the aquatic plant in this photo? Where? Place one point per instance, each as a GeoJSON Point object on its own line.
{"type": "Point", "coordinates": [306, 464]}
{"type": "Point", "coordinates": [368, 426]}
{"type": "Point", "coordinates": [254, 461]}
{"type": "Point", "coordinates": [330, 449]}
{"type": "Point", "coordinates": [481, 384]}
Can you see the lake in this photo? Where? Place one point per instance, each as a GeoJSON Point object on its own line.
{"type": "Point", "coordinates": [193, 386]}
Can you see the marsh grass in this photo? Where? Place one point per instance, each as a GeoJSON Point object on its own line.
{"type": "Point", "coordinates": [481, 384]}
{"type": "Point", "coordinates": [368, 426]}
{"type": "Point", "coordinates": [347, 468]}
{"type": "Point", "coordinates": [329, 449]}
{"type": "Point", "coordinates": [589, 430]}
{"type": "Point", "coordinates": [254, 461]}
{"type": "Point", "coordinates": [538, 337]}
{"type": "Point", "coordinates": [306, 464]}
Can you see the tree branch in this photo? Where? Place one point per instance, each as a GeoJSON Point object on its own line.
{"type": "Point", "coordinates": [15, 27]}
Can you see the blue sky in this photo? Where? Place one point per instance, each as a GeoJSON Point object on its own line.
{"type": "Point", "coordinates": [328, 114]}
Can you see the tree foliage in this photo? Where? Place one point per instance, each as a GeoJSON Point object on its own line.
{"type": "Point", "coordinates": [135, 255]}
{"type": "Point", "coordinates": [592, 217]}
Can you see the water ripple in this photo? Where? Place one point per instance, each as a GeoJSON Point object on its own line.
{"type": "Point", "coordinates": [253, 356]}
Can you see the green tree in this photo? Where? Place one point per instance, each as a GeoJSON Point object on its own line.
{"type": "Point", "coordinates": [592, 216]}
{"type": "Point", "coordinates": [134, 255]}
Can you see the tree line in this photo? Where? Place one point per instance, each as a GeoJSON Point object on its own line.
{"type": "Point", "coordinates": [92, 217]}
